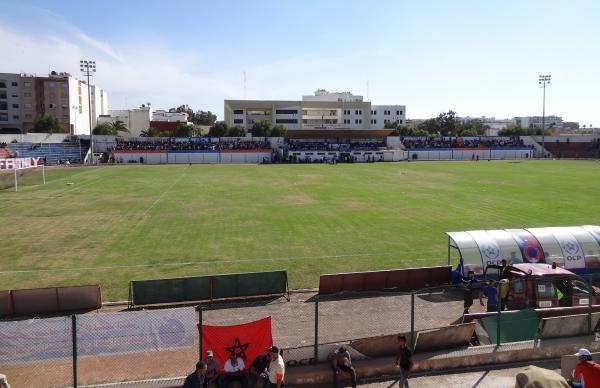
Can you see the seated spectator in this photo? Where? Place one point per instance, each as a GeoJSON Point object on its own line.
{"type": "Point", "coordinates": [198, 378]}
{"type": "Point", "coordinates": [587, 372]}
{"type": "Point", "coordinates": [342, 363]}
{"type": "Point", "coordinates": [235, 371]}
{"type": "Point", "coordinates": [212, 369]}
{"type": "Point", "coordinates": [256, 371]}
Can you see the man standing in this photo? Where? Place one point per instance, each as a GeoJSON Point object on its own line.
{"type": "Point", "coordinates": [342, 362]}
{"type": "Point", "coordinates": [587, 372]}
{"type": "Point", "coordinates": [197, 379]}
{"type": "Point", "coordinates": [504, 270]}
{"type": "Point", "coordinates": [404, 361]}
{"type": "Point", "coordinates": [491, 292]}
{"type": "Point", "coordinates": [256, 371]}
{"type": "Point", "coordinates": [276, 372]}
{"type": "Point", "coordinates": [468, 284]}
{"type": "Point", "coordinates": [234, 371]}
{"type": "Point", "coordinates": [212, 369]}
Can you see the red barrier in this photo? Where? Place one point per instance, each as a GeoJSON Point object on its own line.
{"type": "Point", "coordinates": [398, 279]}
{"type": "Point", "coordinates": [51, 300]}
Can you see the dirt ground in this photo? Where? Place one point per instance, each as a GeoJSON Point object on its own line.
{"type": "Point", "coordinates": [293, 324]}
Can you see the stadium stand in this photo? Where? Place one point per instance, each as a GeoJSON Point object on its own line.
{"type": "Point", "coordinates": [52, 153]}
{"type": "Point", "coordinates": [324, 145]}
{"type": "Point", "coordinates": [574, 150]}
{"type": "Point", "coordinates": [5, 152]}
{"type": "Point", "coordinates": [173, 144]}
{"type": "Point", "coordinates": [461, 142]}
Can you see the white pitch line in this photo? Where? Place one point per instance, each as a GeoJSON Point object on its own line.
{"type": "Point", "coordinates": [273, 259]}
{"type": "Point", "coordinates": [157, 200]}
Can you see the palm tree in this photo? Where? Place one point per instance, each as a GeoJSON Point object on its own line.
{"type": "Point", "coordinates": [150, 132]}
{"type": "Point", "coordinates": [120, 126]}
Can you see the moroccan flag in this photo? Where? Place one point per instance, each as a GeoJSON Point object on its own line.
{"type": "Point", "coordinates": [247, 340]}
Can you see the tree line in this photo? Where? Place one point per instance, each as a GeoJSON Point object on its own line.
{"type": "Point", "coordinates": [445, 124]}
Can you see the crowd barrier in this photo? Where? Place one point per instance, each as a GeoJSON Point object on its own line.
{"type": "Point", "coordinates": [51, 300]}
{"type": "Point", "coordinates": [199, 288]}
{"type": "Point", "coordinates": [398, 279]}
{"type": "Point", "coordinates": [195, 157]}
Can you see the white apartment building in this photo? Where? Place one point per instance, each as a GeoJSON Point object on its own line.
{"type": "Point", "coordinates": [536, 121]}
{"type": "Point", "coordinates": [322, 111]}
{"type": "Point", "coordinates": [25, 97]}
{"type": "Point", "coordinates": [136, 120]}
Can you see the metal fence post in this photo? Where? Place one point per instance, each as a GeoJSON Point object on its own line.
{"type": "Point", "coordinates": [499, 313]}
{"type": "Point", "coordinates": [412, 321]}
{"type": "Point", "coordinates": [74, 342]}
{"type": "Point", "coordinates": [590, 295]}
{"type": "Point", "coordinates": [316, 350]}
{"type": "Point", "coordinates": [199, 309]}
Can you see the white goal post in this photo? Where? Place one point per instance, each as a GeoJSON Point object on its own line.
{"type": "Point", "coordinates": [16, 171]}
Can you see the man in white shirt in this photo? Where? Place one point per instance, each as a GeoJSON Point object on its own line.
{"type": "Point", "coordinates": [235, 371]}
{"type": "Point", "coordinates": [276, 369]}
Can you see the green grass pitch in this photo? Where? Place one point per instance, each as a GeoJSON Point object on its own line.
{"type": "Point", "coordinates": [114, 224]}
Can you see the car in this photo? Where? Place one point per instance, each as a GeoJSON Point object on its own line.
{"type": "Point", "coordinates": [544, 286]}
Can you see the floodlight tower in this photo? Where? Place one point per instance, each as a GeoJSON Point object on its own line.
{"type": "Point", "coordinates": [543, 81]}
{"type": "Point", "coordinates": [88, 68]}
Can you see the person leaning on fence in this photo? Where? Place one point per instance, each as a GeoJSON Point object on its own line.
{"type": "Point", "coordinates": [234, 371]}
{"type": "Point", "coordinates": [212, 371]}
{"type": "Point", "coordinates": [198, 378]}
{"type": "Point", "coordinates": [404, 361]}
{"type": "Point", "coordinates": [342, 362]}
{"type": "Point", "coordinates": [468, 283]}
{"type": "Point", "coordinates": [276, 371]}
{"type": "Point", "coordinates": [257, 370]}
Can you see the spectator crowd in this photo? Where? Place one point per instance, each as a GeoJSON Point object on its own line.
{"type": "Point", "coordinates": [342, 147]}
{"type": "Point", "coordinates": [173, 144]}
{"type": "Point", "coordinates": [460, 142]}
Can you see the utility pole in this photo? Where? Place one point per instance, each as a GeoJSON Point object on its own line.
{"type": "Point", "coordinates": [543, 81]}
{"type": "Point", "coordinates": [88, 68]}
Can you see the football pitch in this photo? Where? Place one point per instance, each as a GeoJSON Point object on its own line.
{"type": "Point", "coordinates": [109, 225]}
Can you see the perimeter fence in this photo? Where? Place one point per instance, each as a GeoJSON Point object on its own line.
{"type": "Point", "coordinates": [161, 346]}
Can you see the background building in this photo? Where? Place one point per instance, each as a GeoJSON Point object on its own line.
{"type": "Point", "coordinates": [136, 120]}
{"type": "Point", "coordinates": [25, 97]}
{"type": "Point", "coordinates": [536, 121]}
{"type": "Point", "coordinates": [324, 110]}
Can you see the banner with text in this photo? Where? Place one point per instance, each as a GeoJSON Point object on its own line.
{"type": "Point", "coordinates": [20, 163]}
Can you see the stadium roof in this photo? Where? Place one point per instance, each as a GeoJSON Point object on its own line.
{"type": "Point", "coordinates": [572, 247]}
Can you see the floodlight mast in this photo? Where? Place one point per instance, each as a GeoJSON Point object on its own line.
{"type": "Point", "coordinates": [88, 68]}
{"type": "Point", "coordinates": [543, 81]}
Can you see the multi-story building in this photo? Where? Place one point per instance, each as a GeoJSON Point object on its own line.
{"type": "Point", "coordinates": [536, 121]}
{"type": "Point", "coordinates": [136, 120]}
{"type": "Point", "coordinates": [163, 115]}
{"type": "Point", "coordinates": [322, 111]}
{"type": "Point", "coordinates": [25, 97]}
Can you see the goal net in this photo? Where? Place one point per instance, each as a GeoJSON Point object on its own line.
{"type": "Point", "coordinates": [18, 173]}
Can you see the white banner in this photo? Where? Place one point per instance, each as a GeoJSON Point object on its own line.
{"type": "Point", "coordinates": [571, 250]}
{"type": "Point", "coordinates": [20, 163]}
{"type": "Point", "coordinates": [488, 247]}
{"type": "Point", "coordinates": [97, 334]}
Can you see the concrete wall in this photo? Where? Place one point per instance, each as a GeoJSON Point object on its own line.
{"type": "Point", "coordinates": [192, 157]}
{"type": "Point", "coordinates": [567, 326]}
{"type": "Point", "coordinates": [457, 154]}
{"type": "Point", "coordinates": [35, 138]}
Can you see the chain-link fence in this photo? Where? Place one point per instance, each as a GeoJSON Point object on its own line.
{"type": "Point", "coordinates": [146, 345]}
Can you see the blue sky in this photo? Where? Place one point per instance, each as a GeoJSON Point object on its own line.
{"type": "Point", "coordinates": [476, 57]}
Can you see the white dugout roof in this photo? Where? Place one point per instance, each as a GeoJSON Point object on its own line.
{"type": "Point", "coordinates": [572, 247]}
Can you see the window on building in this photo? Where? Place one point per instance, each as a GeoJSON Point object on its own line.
{"type": "Point", "coordinates": [360, 121]}
{"type": "Point", "coordinates": [286, 111]}
{"type": "Point", "coordinates": [238, 111]}
{"type": "Point", "coordinates": [14, 83]}
{"type": "Point", "coordinates": [14, 95]}
{"type": "Point", "coordinates": [3, 116]}
{"type": "Point", "coordinates": [15, 106]}
{"type": "Point", "coordinates": [27, 94]}
{"type": "Point", "coordinates": [400, 121]}
{"type": "Point", "coordinates": [374, 121]}
{"type": "Point", "coordinates": [397, 113]}
{"type": "Point", "coordinates": [401, 112]}
{"type": "Point", "coordinates": [51, 106]}
{"type": "Point", "coordinates": [51, 84]}
{"type": "Point", "coordinates": [355, 112]}
{"type": "Point", "coordinates": [360, 112]}
{"type": "Point", "coordinates": [238, 121]}
{"type": "Point", "coordinates": [286, 121]}
{"type": "Point", "coordinates": [63, 85]}
{"type": "Point", "coordinates": [355, 121]}
{"type": "Point", "coordinates": [3, 84]}
{"type": "Point", "coordinates": [27, 84]}
{"type": "Point", "coordinates": [375, 112]}
{"type": "Point", "coordinates": [15, 117]}
{"type": "Point", "coordinates": [64, 106]}
{"type": "Point", "coordinates": [3, 95]}
{"type": "Point", "coordinates": [28, 106]}
{"type": "Point", "coordinates": [3, 105]}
